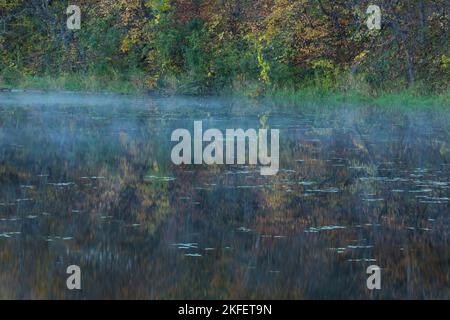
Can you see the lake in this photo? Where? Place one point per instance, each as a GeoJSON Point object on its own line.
{"type": "Point", "coordinates": [88, 180]}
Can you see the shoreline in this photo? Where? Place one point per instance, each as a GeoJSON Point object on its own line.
{"type": "Point", "coordinates": [331, 98]}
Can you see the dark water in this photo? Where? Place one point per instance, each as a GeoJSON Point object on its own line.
{"type": "Point", "coordinates": [87, 180]}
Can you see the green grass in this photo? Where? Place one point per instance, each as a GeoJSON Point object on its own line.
{"type": "Point", "coordinates": [78, 82]}
{"type": "Point", "coordinates": [312, 94]}
{"type": "Point", "coordinates": [331, 98]}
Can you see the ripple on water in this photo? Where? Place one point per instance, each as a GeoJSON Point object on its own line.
{"type": "Point", "coordinates": [373, 199]}
{"type": "Point", "coordinates": [157, 178]}
{"type": "Point", "coordinates": [323, 228]}
{"type": "Point", "coordinates": [56, 238]}
{"type": "Point", "coordinates": [197, 255]}
{"type": "Point", "coordinates": [61, 184]}
{"type": "Point", "coordinates": [186, 245]}
{"type": "Point", "coordinates": [362, 260]}
{"type": "Point", "coordinates": [434, 200]}
{"type": "Point", "coordinates": [328, 190]}
{"type": "Point", "coordinates": [9, 234]}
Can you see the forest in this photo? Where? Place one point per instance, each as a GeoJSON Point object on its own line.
{"type": "Point", "coordinates": [248, 47]}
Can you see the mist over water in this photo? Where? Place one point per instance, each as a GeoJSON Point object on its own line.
{"type": "Point", "coordinates": [88, 180]}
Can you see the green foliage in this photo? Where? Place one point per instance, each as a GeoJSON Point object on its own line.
{"type": "Point", "coordinates": [208, 47]}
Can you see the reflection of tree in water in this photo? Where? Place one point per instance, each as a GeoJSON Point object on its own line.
{"type": "Point", "coordinates": [352, 187]}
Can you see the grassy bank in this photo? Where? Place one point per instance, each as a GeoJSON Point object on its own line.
{"type": "Point", "coordinates": [401, 99]}
{"type": "Point", "coordinates": [136, 84]}
{"type": "Point", "coordinates": [114, 83]}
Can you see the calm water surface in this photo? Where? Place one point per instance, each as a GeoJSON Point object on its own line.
{"type": "Point", "coordinates": [88, 180]}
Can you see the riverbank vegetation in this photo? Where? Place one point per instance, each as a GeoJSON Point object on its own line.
{"type": "Point", "coordinates": [275, 48]}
